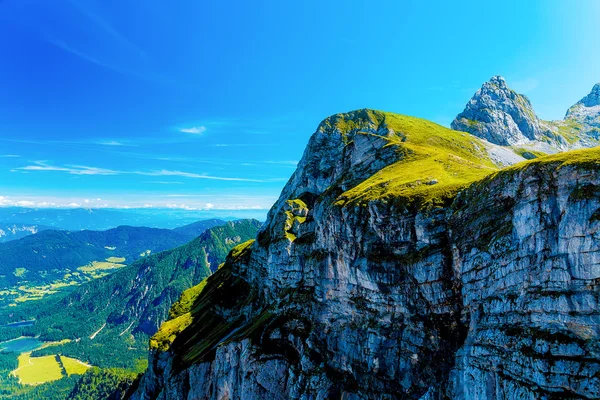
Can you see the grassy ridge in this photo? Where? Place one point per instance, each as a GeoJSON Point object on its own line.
{"type": "Point", "coordinates": [436, 162]}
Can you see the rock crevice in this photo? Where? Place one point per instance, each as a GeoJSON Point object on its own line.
{"type": "Point", "coordinates": [485, 291]}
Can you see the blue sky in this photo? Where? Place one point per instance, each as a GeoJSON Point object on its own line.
{"type": "Point", "coordinates": [198, 104]}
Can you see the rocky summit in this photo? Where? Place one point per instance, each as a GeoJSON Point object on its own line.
{"type": "Point", "coordinates": [499, 115]}
{"type": "Point", "coordinates": [401, 263]}
{"type": "Point", "coordinates": [587, 111]}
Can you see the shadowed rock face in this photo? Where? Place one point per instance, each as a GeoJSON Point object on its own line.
{"type": "Point", "coordinates": [592, 99]}
{"type": "Point", "coordinates": [587, 111]}
{"type": "Point", "coordinates": [499, 115]}
{"type": "Point", "coordinates": [492, 294]}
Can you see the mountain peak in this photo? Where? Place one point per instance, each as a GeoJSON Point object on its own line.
{"type": "Point", "coordinates": [501, 116]}
{"type": "Point", "coordinates": [587, 110]}
{"type": "Point", "coordinates": [592, 99]}
{"type": "Point", "coordinates": [498, 114]}
{"type": "Point", "coordinates": [498, 80]}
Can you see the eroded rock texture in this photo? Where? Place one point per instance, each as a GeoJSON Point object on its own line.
{"type": "Point", "coordinates": [500, 115]}
{"type": "Point", "coordinates": [503, 117]}
{"type": "Point", "coordinates": [490, 294]}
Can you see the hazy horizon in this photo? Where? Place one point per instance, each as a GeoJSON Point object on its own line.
{"type": "Point", "coordinates": [144, 106]}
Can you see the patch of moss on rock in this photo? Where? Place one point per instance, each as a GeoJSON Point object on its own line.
{"type": "Point", "coordinates": [241, 250]}
{"type": "Point", "coordinates": [185, 302]}
{"type": "Point", "coordinates": [346, 123]}
{"type": "Point", "coordinates": [296, 211]}
{"type": "Point", "coordinates": [168, 332]}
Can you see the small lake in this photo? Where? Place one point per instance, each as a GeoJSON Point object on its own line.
{"type": "Point", "coordinates": [20, 345]}
{"type": "Point", "coordinates": [19, 324]}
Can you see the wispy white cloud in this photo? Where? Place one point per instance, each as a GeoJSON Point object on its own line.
{"type": "Point", "coordinates": [291, 163]}
{"type": "Point", "coordinates": [121, 69]}
{"type": "Point", "coordinates": [86, 170]}
{"type": "Point", "coordinates": [9, 156]}
{"type": "Point", "coordinates": [105, 46]}
{"type": "Point", "coordinates": [71, 169]}
{"type": "Point", "coordinates": [71, 143]}
{"type": "Point", "coordinates": [112, 143]}
{"type": "Point", "coordinates": [195, 130]}
{"type": "Point", "coordinates": [69, 49]}
{"type": "Point", "coordinates": [165, 158]}
{"type": "Point", "coordinates": [239, 203]}
{"type": "Point", "coordinates": [164, 172]}
{"type": "Point", "coordinates": [164, 182]}
{"type": "Point", "coordinates": [107, 27]}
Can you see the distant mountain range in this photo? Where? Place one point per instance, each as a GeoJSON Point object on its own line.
{"type": "Point", "coordinates": [112, 317]}
{"type": "Point", "coordinates": [75, 219]}
{"type": "Point", "coordinates": [60, 257]}
{"type": "Point", "coordinates": [13, 231]}
{"type": "Point", "coordinates": [195, 229]}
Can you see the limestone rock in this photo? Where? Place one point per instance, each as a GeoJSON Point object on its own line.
{"type": "Point", "coordinates": [587, 112]}
{"type": "Point", "coordinates": [500, 115]}
{"type": "Point", "coordinates": [492, 295]}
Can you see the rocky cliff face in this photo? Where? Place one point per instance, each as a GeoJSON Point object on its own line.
{"type": "Point", "coordinates": [380, 275]}
{"type": "Point", "coordinates": [499, 115]}
{"type": "Point", "coordinates": [586, 112]}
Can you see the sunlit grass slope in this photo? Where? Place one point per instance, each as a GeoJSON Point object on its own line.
{"type": "Point", "coordinates": [37, 370]}
{"type": "Point", "coordinates": [435, 163]}
{"type": "Point", "coordinates": [73, 366]}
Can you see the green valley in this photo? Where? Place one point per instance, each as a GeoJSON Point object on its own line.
{"type": "Point", "coordinates": [107, 321]}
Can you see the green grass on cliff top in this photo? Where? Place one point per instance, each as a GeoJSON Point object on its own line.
{"type": "Point", "coordinates": [437, 162]}
{"type": "Point", "coordinates": [584, 158]}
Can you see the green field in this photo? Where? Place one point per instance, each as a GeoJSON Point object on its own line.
{"type": "Point", "coordinates": [85, 273]}
{"type": "Point", "coordinates": [115, 259]}
{"type": "Point", "coordinates": [73, 366]}
{"type": "Point", "coordinates": [100, 267]}
{"type": "Point", "coordinates": [38, 370]}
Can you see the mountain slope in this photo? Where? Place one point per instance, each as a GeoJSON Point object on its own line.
{"type": "Point", "coordinates": [70, 218]}
{"type": "Point", "coordinates": [14, 231]}
{"type": "Point", "coordinates": [52, 261]}
{"type": "Point", "coordinates": [503, 117]}
{"type": "Point", "coordinates": [399, 263]}
{"type": "Point", "coordinates": [105, 384]}
{"type": "Point", "coordinates": [197, 228]}
{"type": "Point", "coordinates": [500, 115]}
{"type": "Point", "coordinates": [49, 255]}
{"type": "Point", "coordinates": [586, 112]}
{"type": "Point", "coordinates": [114, 314]}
